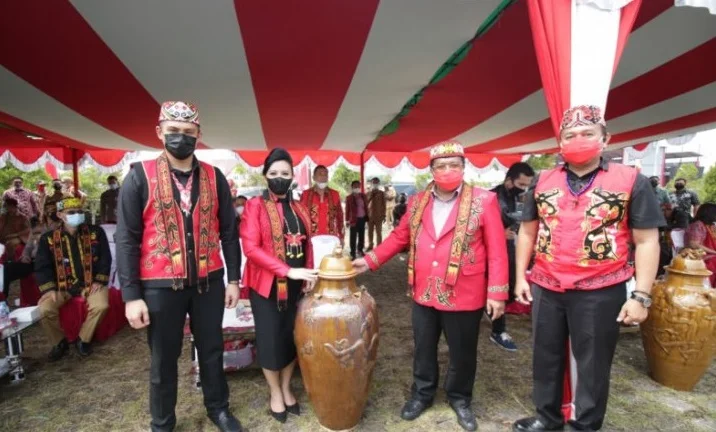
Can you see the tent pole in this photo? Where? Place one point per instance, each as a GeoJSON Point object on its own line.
{"type": "Point", "coordinates": [362, 171]}
{"type": "Point", "coordinates": [75, 171]}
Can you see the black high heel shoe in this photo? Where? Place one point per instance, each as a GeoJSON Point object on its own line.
{"type": "Point", "coordinates": [279, 416]}
{"type": "Point", "coordinates": [294, 409]}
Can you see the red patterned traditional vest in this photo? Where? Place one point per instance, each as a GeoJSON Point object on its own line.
{"type": "Point", "coordinates": [163, 251]}
{"type": "Point", "coordinates": [583, 242]}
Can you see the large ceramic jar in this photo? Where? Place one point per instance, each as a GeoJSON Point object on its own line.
{"type": "Point", "coordinates": [680, 334]}
{"type": "Point", "coordinates": [337, 339]}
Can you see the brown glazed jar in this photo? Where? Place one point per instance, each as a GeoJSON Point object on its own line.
{"type": "Point", "coordinates": [336, 336]}
{"type": "Point", "coordinates": [679, 335]}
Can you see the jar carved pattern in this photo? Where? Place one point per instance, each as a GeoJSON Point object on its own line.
{"type": "Point", "coordinates": [336, 337]}
{"type": "Point", "coordinates": [679, 336]}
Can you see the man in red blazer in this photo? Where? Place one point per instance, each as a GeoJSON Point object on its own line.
{"type": "Point", "coordinates": [457, 268]}
{"type": "Point", "coordinates": [324, 206]}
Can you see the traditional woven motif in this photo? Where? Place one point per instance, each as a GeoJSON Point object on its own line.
{"type": "Point", "coordinates": [179, 111]}
{"type": "Point", "coordinates": [582, 115]}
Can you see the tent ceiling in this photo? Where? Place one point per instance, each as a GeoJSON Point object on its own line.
{"type": "Point", "coordinates": [330, 76]}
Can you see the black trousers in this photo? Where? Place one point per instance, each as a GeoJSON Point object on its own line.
{"type": "Point", "coordinates": [167, 314]}
{"type": "Point", "coordinates": [588, 320]}
{"type": "Point", "coordinates": [461, 330]}
{"type": "Point", "coordinates": [357, 231]}
{"type": "Point", "coordinates": [500, 324]}
{"type": "Point", "coordinates": [13, 271]}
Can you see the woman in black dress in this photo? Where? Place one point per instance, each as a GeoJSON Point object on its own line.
{"type": "Point", "coordinates": [277, 243]}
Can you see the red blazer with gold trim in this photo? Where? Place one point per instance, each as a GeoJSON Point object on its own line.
{"type": "Point", "coordinates": [483, 270]}
{"type": "Point", "coordinates": [262, 266]}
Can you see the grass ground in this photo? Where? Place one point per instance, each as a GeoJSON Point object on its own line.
{"type": "Point", "coordinates": [108, 391]}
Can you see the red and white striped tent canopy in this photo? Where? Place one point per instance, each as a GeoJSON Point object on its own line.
{"type": "Point", "coordinates": [345, 76]}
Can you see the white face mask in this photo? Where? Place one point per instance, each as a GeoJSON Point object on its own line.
{"type": "Point", "coordinates": [75, 220]}
{"type": "Point", "coordinates": [321, 185]}
{"type": "Point", "coordinates": [114, 186]}
{"type": "Point", "coordinates": [356, 190]}
{"type": "Point", "coordinates": [239, 210]}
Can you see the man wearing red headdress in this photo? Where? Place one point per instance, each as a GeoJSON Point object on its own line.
{"type": "Point", "coordinates": [457, 268]}
{"type": "Point", "coordinates": [581, 220]}
{"type": "Point", "coordinates": [174, 214]}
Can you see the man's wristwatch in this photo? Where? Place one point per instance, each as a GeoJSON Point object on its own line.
{"type": "Point", "coordinates": [233, 282]}
{"type": "Point", "coordinates": [645, 301]}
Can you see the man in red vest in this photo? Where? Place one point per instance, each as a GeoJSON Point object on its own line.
{"type": "Point", "coordinates": [324, 205]}
{"type": "Point", "coordinates": [581, 221]}
{"type": "Point", "coordinates": [174, 214]}
{"type": "Point", "coordinates": [457, 268]}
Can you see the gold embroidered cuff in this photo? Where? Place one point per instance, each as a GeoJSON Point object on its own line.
{"type": "Point", "coordinates": [498, 289]}
{"type": "Point", "coordinates": [373, 259]}
{"type": "Point", "coordinates": [49, 286]}
{"type": "Point", "coordinates": [101, 278]}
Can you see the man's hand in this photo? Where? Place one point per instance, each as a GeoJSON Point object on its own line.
{"type": "Point", "coordinates": [510, 235]}
{"type": "Point", "coordinates": [231, 297]}
{"type": "Point", "coordinates": [495, 308]}
{"type": "Point", "coordinates": [96, 286]}
{"type": "Point", "coordinates": [632, 313]}
{"type": "Point", "coordinates": [25, 259]}
{"type": "Point", "coordinates": [523, 292]}
{"type": "Point", "coordinates": [49, 295]}
{"type": "Point", "coordinates": [360, 265]}
{"type": "Point", "coordinates": [137, 314]}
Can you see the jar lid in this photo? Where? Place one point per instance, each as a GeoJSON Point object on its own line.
{"type": "Point", "coordinates": [336, 266]}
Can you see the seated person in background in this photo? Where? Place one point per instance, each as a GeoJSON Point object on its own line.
{"type": "Point", "coordinates": [14, 230]}
{"type": "Point", "coordinates": [701, 234]}
{"type": "Point", "coordinates": [400, 209]}
{"type": "Point", "coordinates": [72, 260]}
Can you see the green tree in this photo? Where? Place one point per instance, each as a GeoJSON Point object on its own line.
{"type": "Point", "coordinates": [92, 182]}
{"type": "Point", "coordinates": [249, 178]}
{"type": "Point", "coordinates": [542, 162]}
{"type": "Point", "coordinates": [29, 178]}
{"type": "Point", "coordinates": [422, 180]}
{"type": "Point", "coordinates": [709, 186]}
{"type": "Point", "coordinates": [690, 172]}
{"type": "Point", "coordinates": [342, 178]}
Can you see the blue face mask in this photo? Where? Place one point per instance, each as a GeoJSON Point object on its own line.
{"type": "Point", "coordinates": [75, 220]}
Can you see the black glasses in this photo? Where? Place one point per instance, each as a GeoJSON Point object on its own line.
{"type": "Point", "coordinates": [73, 212]}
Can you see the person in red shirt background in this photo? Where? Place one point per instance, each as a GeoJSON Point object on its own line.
{"type": "Point", "coordinates": [324, 206]}
{"type": "Point", "coordinates": [457, 268]}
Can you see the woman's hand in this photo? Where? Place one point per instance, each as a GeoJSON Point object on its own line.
{"type": "Point", "coordinates": [303, 274]}
{"type": "Point", "coordinates": [309, 287]}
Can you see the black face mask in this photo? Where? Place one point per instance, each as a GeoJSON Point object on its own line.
{"type": "Point", "coordinates": [180, 146]}
{"type": "Point", "coordinates": [679, 186]}
{"type": "Point", "coordinates": [279, 185]}
{"type": "Point", "coordinates": [654, 183]}
{"type": "Point", "coordinates": [57, 186]}
{"type": "Point", "coordinates": [517, 191]}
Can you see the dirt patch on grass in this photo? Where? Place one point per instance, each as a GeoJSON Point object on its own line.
{"type": "Point", "coordinates": [109, 391]}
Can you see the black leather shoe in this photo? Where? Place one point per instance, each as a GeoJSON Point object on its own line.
{"type": "Point", "coordinates": [294, 409]}
{"type": "Point", "coordinates": [465, 416]}
{"type": "Point", "coordinates": [83, 348]}
{"type": "Point", "coordinates": [533, 424]}
{"type": "Point", "coordinates": [413, 408]}
{"type": "Point", "coordinates": [226, 422]}
{"type": "Point", "coordinates": [280, 417]}
{"type": "Point", "coordinates": [58, 351]}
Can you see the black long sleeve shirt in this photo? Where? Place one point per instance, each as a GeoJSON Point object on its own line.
{"type": "Point", "coordinates": [46, 270]}
{"type": "Point", "coordinates": [133, 199]}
